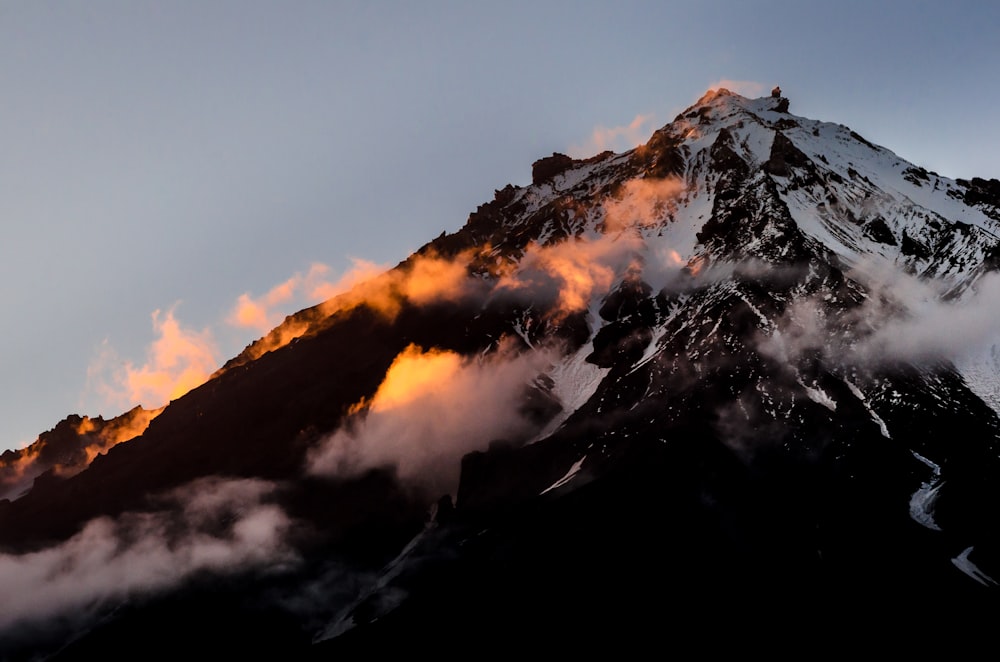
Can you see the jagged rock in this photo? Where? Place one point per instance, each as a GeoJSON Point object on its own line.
{"type": "Point", "coordinates": [546, 168]}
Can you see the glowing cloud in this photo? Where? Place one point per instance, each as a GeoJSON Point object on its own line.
{"type": "Point", "coordinates": [432, 408]}
{"type": "Point", "coordinates": [643, 203]}
{"type": "Point", "coordinates": [177, 361]}
{"type": "Point", "coordinates": [422, 280]}
{"type": "Point", "coordinates": [301, 290]}
{"type": "Point", "coordinates": [568, 273]}
{"type": "Point", "coordinates": [616, 138]}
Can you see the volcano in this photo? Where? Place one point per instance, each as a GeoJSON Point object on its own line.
{"type": "Point", "coordinates": [740, 380]}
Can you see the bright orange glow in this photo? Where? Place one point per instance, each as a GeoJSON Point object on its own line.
{"type": "Point", "coordinates": [432, 408]}
{"type": "Point", "coordinates": [695, 265]}
{"type": "Point", "coordinates": [422, 280]}
{"type": "Point", "coordinates": [575, 269]}
{"type": "Point", "coordinates": [120, 429]}
{"type": "Point", "coordinates": [361, 271]}
{"type": "Point", "coordinates": [643, 203]}
{"type": "Point", "coordinates": [179, 360]}
{"type": "Point", "coordinates": [16, 474]}
{"type": "Point", "coordinates": [416, 374]}
{"type": "Point", "coordinates": [95, 437]}
{"type": "Point", "coordinates": [266, 312]}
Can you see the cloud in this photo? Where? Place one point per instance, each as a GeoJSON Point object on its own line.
{"type": "Point", "coordinates": [177, 361]}
{"type": "Point", "coordinates": [903, 319]}
{"type": "Point", "coordinates": [213, 524]}
{"type": "Point", "coordinates": [932, 329]}
{"type": "Point", "coordinates": [616, 138]}
{"type": "Point", "coordinates": [747, 88]}
{"type": "Point", "coordinates": [267, 311]}
{"type": "Point", "coordinates": [643, 203]}
{"type": "Point", "coordinates": [423, 279]}
{"type": "Point", "coordinates": [565, 276]}
{"type": "Point", "coordinates": [433, 407]}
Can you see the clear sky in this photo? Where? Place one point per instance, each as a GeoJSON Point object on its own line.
{"type": "Point", "coordinates": [167, 165]}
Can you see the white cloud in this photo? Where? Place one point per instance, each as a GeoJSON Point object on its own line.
{"type": "Point", "coordinates": [212, 524]}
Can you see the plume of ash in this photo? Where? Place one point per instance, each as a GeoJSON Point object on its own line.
{"type": "Point", "coordinates": [432, 408]}
{"type": "Point", "coordinates": [213, 524]}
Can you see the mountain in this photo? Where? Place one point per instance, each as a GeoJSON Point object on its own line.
{"type": "Point", "coordinates": [735, 388]}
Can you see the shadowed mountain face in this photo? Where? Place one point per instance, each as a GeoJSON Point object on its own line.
{"type": "Point", "coordinates": [738, 379]}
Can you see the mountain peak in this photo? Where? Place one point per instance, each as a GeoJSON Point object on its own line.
{"type": "Point", "coordinates": [709, 367]}
{"type": "Point", "coordinates": [721, 103]}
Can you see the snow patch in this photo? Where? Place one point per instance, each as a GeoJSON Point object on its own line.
{"type": "Point", "coordinates": [573, 471]}
{"type": "Point", "coordinates": [871, 412]}
{"type": "Point", "coordinates": [576, 380]}
{"type": "Point", "coordinates": [819, 396]}
{"type": "Point", "coordinates": [963, 563]}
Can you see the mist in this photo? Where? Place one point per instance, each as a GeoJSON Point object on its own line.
{"type": "Point", "coordinates": [213, 524]}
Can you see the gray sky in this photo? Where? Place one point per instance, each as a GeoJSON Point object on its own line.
{"type": "Point", "coordinates": [173, 156]}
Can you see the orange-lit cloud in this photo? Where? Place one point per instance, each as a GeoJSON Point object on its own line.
{"type": "Point", "coordinates": [177, 361]}
{"type": "Point", "coordinates": [432, 408]}
{"type": "Point", "coordinates": [616, 138]}
{"type": "Point", "coordinates": [423, 279]}
{"type": "Point", "coordinates": [567, 274]}
{"type": "Point", "coordinates": [747, 88]}
{"type": "Point", "coordinates": [642, 203]}
{"type": "Point", "coordinates": [265, 312]}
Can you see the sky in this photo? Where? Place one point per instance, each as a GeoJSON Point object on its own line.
{"type": "Point", "coordinates": [176, 177]}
